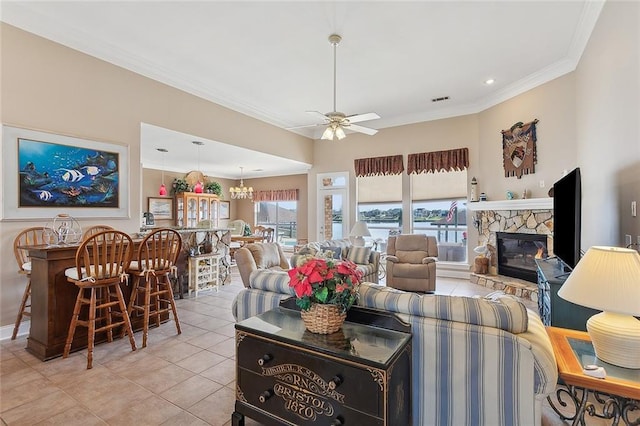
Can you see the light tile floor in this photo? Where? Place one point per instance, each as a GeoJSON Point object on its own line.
{"type": "Point", "coordinates": [186, 379]}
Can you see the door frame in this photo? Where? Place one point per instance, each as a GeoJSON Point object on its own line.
{"type": "Point", "coordinates": [339, 189]}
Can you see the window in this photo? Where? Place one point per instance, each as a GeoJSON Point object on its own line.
{"type": "Point", "coordinates": [380, 205]}
{"type": "Point", "coordinates": [439, 209]}
{"type": "Point", "coordinates": [281, 216]}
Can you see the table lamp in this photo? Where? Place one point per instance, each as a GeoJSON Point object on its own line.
{"type": "Point", "coordinates": [608, 279]}
{"type": "Point", "coordinates": [359, 231]}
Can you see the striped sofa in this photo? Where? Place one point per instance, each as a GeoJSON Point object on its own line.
{"type": "Point", "coordinates": [476, 361]}
{"type": "Point", "coordinates": [368, 260]}
{"type": "Point", "coordinates": [265, 291]}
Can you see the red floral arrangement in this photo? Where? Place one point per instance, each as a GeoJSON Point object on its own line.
{"type": "Point", "coordinates": [325, 281]}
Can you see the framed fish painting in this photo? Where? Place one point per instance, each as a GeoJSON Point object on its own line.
{"type": "Point", "coordinates": [45, 174]}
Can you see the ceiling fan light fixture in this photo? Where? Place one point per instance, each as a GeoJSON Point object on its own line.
{"type": "Point", "coordinates": [340, 133]}
{"type": "Point", "coordinates": [328, 134]}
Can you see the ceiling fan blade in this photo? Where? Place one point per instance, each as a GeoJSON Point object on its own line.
{"type": "Point", "coordinates": [318, 114]}
{"type": "Point", "coordinates": [304, 126]}
{"type": "Point", "coordinates": [363, 117]}
{"type": "Point", "coordinates": [361, 129]}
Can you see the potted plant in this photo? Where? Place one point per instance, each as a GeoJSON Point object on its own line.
{"type": "Point", "coordinates": [179, 185]}
{"type": "Point", "coordinates": [325, 289]}
{"type": "Point", "coordinates": [213, 187]}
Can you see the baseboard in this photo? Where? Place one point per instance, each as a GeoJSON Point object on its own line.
{"type": "Point", "coordinates": [453, 270]}
{"type": "Point", "coordinates": [7, 330]}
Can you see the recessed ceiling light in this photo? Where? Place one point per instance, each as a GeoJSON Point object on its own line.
{"type": "Point", "coordinates": [489, 81]}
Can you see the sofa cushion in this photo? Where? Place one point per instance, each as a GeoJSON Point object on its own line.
{"type": "Point", "coordinates": [266, 255]}
{"type": "Point", "coordinates": [359, 255]}
{"type": "Point", "coordinates": [336, 252]}
{"type": "Point", "coordinates": [501, 311]}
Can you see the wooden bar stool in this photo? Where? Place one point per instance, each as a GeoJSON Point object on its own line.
{"type": "Point", "coordinates": [156, 259]}
{"type": "Point", "coordinates": [101, 264]}
{"type": "Point", "coordinates": [27, 237]}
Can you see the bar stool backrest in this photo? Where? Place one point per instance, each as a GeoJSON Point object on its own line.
{"type": "Point", "coordinates": [104, 256]}
{"type": "Point", "coordinates": [27, 237]}
{"type": "Point", "coordinates": [92, 230]}
{"type": "Point", "coordinates": [159, 250]}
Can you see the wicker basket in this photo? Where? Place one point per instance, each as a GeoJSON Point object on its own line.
{"type": "Point", "coordinates": [323, 319]}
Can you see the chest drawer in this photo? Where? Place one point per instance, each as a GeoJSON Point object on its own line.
{"type": "Point", "coordinates": [293, 373]}
{"type": "Point", "coordinates": [295, 405]}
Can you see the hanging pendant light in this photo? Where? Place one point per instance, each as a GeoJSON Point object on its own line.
{"type": "Point", "coordinates": [241, 192]}
{"type": "Point", "coordinates": [198, 188]}
{"type": "Point", "coordinates": [163, 189]}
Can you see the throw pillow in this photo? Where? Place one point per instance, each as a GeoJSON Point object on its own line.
{"type": "Point", "coordinates": [359, 255]}
{"type": "Point", "coordinates": [336, 252]}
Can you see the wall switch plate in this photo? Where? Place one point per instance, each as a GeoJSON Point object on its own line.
{"type": "Point", "coordinates": [541, 184]}
{"type": "Point", "coordinates": [627, 240]}
{"type": "Point", "coordinates": [634, 209]}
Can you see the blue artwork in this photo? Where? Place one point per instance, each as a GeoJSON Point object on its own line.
{"type": "Point", "coordinates": [54, 175]}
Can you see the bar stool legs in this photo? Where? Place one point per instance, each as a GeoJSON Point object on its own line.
{"type": "Point", "coordinates": [23, 312]}
{"type": "Point", "coordinates": [157, 287]}
{"type": "Point", "coordinates": [102, 300]}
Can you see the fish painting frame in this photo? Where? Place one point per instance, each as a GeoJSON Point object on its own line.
{"type": "Point", "coordinates": [45, 174]}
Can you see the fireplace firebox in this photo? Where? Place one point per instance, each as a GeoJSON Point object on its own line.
{"type": "Point", "coordinates": [517, 253]}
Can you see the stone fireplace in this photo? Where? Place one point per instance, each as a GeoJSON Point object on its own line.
{"type": "Point", "coordinates": [517, 253]}
{"type": "Point", "coordinates": [532, 217]}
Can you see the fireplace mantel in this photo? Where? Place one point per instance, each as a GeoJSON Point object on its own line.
{"type": "Point", "coordinates": [526, 204]}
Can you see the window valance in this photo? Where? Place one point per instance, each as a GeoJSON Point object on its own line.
{"type": "Point", "coordinates": [424, 162]}
{"type": "Point", "coordinates": [276, 195]}
{"type": "Point", "coordinates": [376, 166]}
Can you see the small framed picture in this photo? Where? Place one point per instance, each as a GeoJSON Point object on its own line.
{"type": "Point", "coordinates": [223, 210]}
{"type": "Point", "coordinates": [161, 208]}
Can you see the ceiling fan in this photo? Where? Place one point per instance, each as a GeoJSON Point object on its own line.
{"type": "Point", "coordinates": [336, 121]}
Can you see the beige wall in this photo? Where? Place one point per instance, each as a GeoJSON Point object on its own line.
{"type": "Point", "coordinates": [607, 126]}
{"type": "Point", "coordinates": [587, 118]}
{"type": "Point", "coordinates": [46, 86]}
{"type": "Point", "coordinates": [338, 156]}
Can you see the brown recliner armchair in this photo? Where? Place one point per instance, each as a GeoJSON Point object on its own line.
{"type": "Point", "coordinates": [411, 262]}
{"type": "Point", "coordinates": [256, 256]}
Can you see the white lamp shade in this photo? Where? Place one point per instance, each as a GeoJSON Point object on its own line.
{"type": "Point", "coordinates": [606, 279]}
{"type": "Point", "coordinates": [360, 229]}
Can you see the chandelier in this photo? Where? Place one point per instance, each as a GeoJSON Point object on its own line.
{"type": "Point", "coordinates": [241, 192]}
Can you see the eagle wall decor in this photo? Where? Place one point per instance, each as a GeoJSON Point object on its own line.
{"type": "Point", "coordinates": [519, 149]}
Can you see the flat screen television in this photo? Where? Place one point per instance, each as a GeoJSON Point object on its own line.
{"type": "Point", "coordinates": [567, 200]}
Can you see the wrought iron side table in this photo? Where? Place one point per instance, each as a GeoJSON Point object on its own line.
{"type": "Point", "coordinates": [617, 397]}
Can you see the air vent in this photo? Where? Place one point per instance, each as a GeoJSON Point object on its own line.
{"type": "Point", "coordinates": [443, 98]}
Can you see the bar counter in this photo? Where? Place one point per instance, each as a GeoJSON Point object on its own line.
{"type": "Point", "coordinates": [53, 297]}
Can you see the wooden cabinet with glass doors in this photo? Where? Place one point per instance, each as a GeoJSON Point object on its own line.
{"type": "Point", "coordinates": [193, 208]}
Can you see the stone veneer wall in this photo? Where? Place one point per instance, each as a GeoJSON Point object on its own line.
{"type": "Point", "coordinates": [523, 221]}
{"type": "Point", "coordinates": [520, 221]}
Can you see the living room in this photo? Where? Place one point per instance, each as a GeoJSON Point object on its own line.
{"type": "Point", "coordinates": [586, 119]}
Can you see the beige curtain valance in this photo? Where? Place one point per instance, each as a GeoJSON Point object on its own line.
{"type": "Point", "coordinates": [376, 166]}
{"type": "Point", "coordinates": [276, 195]}
{"type": "Point", "coordinates": [424, 162]}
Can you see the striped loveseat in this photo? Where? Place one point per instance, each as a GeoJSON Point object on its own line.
{"type": "Point", "coordinates": [476, 361]}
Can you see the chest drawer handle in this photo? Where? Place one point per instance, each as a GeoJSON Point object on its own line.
{"type": "Point", "coordinates": [265, 359]}
{"type": "Point", "coordinates": [265, 395]}
{"type": "Point", "coordinates": [335, 382]}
